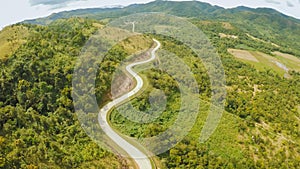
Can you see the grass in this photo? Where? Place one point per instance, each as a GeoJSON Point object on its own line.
{"type": "Point", "coordinates": [225, 137]}
{"type": "Point", "coordinates": [263, 62]}
{"type": "Point", "coordinates": [268, 62]}
{"type": "Point", "coordinates": [289, 60]}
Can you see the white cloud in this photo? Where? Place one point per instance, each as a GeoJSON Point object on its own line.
{"type": "Point", "coordinates": [273, 1]}
{"type": "Point", "coordinates": [289, 4]}
{"type": "Point", "coordinates": [51, 2]}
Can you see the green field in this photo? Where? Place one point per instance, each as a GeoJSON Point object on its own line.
{"type": "Point", "coordinates": [263, 62]}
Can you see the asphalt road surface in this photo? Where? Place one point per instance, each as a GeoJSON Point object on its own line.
{"type": "Point", "coordinates": [139, 157]}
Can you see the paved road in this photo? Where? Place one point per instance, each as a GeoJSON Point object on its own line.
{"type": "Point", "coordinates": [139, 157]}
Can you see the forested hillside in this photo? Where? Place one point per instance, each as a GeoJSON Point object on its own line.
{"type": "Point", "coordinates": [38, 127]}
{"type": "Point", "coordinates": [259, 49]}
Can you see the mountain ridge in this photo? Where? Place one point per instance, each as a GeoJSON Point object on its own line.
{"type": "Point", "coordinates": [264, 23]}
{"type": "Point", "coordinates": [147, 8]}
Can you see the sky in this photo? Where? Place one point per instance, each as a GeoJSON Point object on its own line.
{"type": "Point", "coordinates": [13, 11]}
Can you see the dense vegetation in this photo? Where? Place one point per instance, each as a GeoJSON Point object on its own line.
{"type": "Point", "coordinates": [38, 127]}
{"type": "Point", "coordinates": [259, 129]}
{"type": "Point", "coordinates": [257, 136]}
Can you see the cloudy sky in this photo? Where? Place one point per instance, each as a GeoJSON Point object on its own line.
{"type": "Point", "coordinates": [13, 11]}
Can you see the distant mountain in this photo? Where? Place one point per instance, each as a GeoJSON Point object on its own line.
{"type": "Point", "coordinates": [183, 9]}
{"type": "Point", "coordinates": [264, 23]}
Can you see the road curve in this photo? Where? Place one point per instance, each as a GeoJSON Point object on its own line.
{"type": "Point", "coordinates": [139, 157]}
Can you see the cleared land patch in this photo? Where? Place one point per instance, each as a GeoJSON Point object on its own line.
{"type": "Point", "coordinates": [223, 35]}
{"type": "Point", "coordinates": [257, 39]}
{"type": "Point", "coordinates": [243, 54]}
{"type": "Point", "coordinates": [269, 62]}
{"type": "Point", "coordinates": [290, 61]}
{"type": "Point", "coordinates": [280, 63]}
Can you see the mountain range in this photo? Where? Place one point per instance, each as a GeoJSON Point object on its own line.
{"type": "Point", "coordinates": [263, 23]}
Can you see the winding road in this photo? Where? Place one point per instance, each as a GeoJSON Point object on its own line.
{"type": "Point", "coordinates": [138, 156]}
